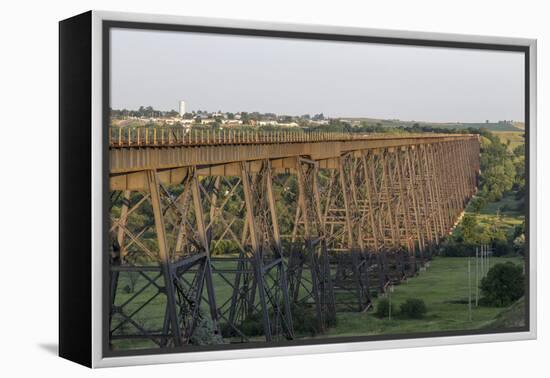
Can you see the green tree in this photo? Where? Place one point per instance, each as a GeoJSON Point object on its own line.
{"type": "Point", "coordinates": [468, 228]}
{"type": "Point", "coordinates": [519, 150]}
{"type": "Point", "coordinates": [477, 203]}
{"type": "Point", "coordinates": [504, 284]}
{"type": "Point", "coordinates": [497, 168]}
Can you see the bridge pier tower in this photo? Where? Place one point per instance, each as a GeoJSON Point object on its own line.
{"type": "Point", "coordinates": [309, 265]}
{"type": "Point", "coordinates": [257, 277]}
{"type": "Point", "coordinates": [167, 260]}
{"type": "Point", "coordinates": [345, 242]}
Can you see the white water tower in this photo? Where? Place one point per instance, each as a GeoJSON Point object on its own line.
{"type": "Point", "coordinates": [182, 108]}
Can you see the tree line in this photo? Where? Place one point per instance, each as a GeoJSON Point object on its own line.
{"type": "Point", "coordinates": [502, 175]}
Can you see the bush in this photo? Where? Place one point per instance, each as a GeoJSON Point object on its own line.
{"type": "Point", "coordinates": [250, 326]}
{"type": "Point", "coordinates": [503, 285]}
{"type": "Point", "coordinates": [413, 308]}
{"type": "Point", "coordinates": [304, 320]}
{"type": "Point", "coordinates": [205, 333]}
{"type": "Point", "coordinates": [383, 308]}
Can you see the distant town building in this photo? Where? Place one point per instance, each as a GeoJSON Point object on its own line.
{"type": "Point", "coordinates": [207, 121]}
{"type": "Point", "coordinates": [182, 108]}
{"type": "Point", "coordinates": [267, 123]}
{"type": "Point", "coordinates": [232, 122]}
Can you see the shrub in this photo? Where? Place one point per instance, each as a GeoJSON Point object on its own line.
{"type": "Point", "coordinates": [304, 320]}
{"type": "Point", "coordinates": [205, 333]}
{"type": "Point", "coordinates": [250, 326]}
{"type": "Point", "coordinates": [383, 308]}
{"type": "Point", "coordinates": [503, 285]}
{"type": "Point", "coordinates": [413, 308]}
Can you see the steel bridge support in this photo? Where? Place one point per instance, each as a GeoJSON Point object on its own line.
{"type": "Point", "coordinates": [257, 276]}
{"type": "Point", "coordinates": [309, 265]}
{"type": "Point", "coordinates": [145, 259]}
{"type": "Point", "coordinates": [342, 218]}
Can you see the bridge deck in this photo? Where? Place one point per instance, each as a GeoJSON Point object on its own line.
{"type": "Point", "coordinates": [137, 152]}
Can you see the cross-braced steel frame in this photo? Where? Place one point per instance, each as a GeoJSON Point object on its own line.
{"type": "Point", "coordinates": [359, 221]}
{"type": "Point", "coordinates": [160, 252]}
{"type": "Point", "coordinates": [309, 265]}
{"type": "Point", "coordinates": [242, 211]}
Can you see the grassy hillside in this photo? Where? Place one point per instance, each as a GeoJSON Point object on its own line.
{"type": "Point", "coordinates": [491, 126]}
{"type": "Point", "coordinates": [514, 138]}
{"type": "Point", "coordinates": [514, 316]}
{"type": "Point", "coordinates": [520, 125]}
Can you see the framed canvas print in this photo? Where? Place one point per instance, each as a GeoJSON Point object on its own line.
{"type": "Point", "coordinates": [232, 189]}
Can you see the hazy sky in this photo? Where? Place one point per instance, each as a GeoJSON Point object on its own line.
{"type": "Point", "coordinates": [289, 76]}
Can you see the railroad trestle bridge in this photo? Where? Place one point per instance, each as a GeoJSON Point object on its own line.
{"type": "Point", "coordinates": [240, 230]}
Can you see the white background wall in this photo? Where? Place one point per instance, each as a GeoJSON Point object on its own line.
{"type": "Point", "coordinates": [29, 215]}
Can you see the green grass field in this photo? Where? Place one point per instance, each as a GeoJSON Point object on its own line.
{"type": "Point", "coordinates": [443, 287]}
